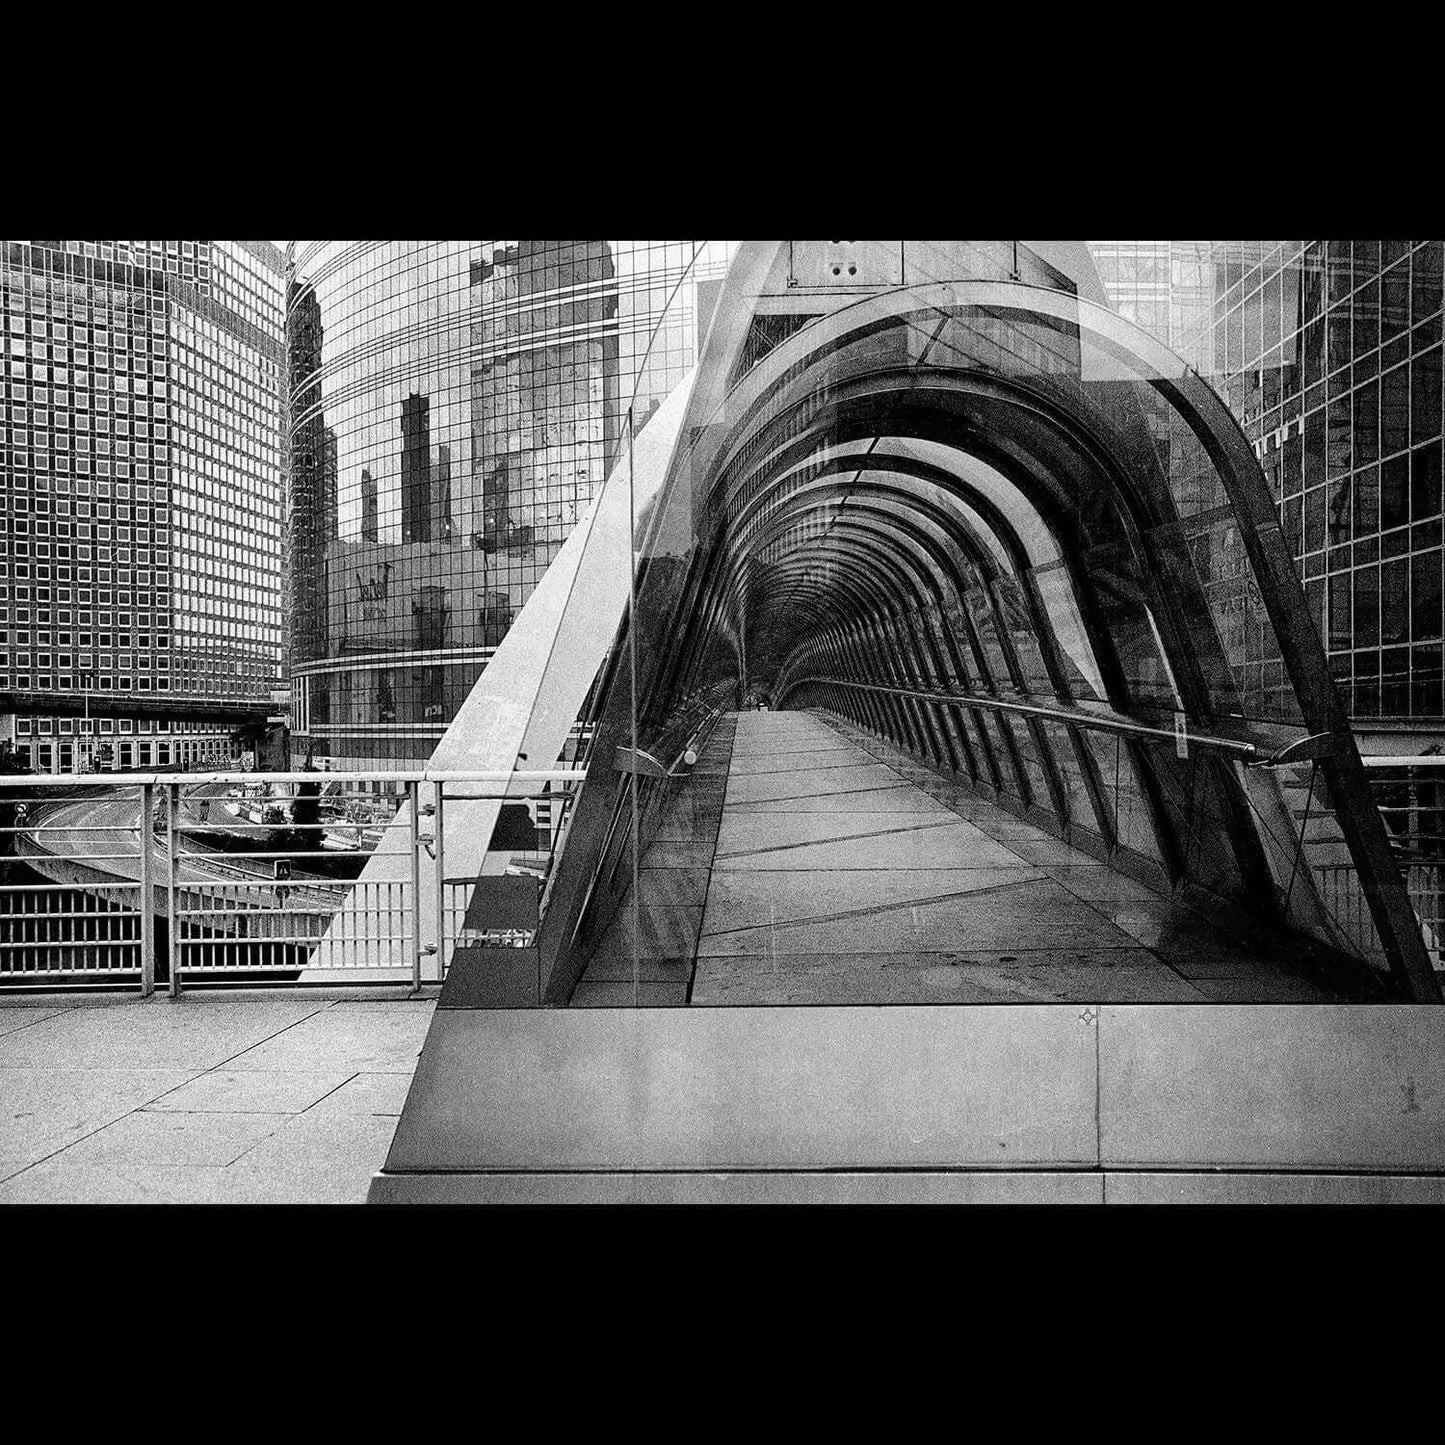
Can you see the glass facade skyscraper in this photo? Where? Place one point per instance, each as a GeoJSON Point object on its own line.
{"type": "Point", "coordinates": [1329, 355]}
{"type": "Point", "coordinates": [454, 405]}
{"type": "Point", "coordinates": [140, 498]}
{"type": "Point", "coordinates": [1167, 287]}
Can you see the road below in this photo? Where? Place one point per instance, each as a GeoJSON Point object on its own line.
{"type": "Point", "coordinates": [104, 834]}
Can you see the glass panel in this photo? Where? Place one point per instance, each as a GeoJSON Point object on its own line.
{"type": "Point", "coordinates": [921, 515]}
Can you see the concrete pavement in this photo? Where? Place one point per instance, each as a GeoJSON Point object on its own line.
{"type": "Point", "coordinates": [250, 1097]}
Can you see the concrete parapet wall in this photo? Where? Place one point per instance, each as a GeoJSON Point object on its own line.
{"type": "Point", "coordinates": [1036, 1103]}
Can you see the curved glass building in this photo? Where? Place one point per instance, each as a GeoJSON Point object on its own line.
{"type": "Point", "coordinates": [453, 406]}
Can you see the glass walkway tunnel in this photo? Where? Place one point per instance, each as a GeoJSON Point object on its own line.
{"type": "Point", "coordinates": [932, 552]}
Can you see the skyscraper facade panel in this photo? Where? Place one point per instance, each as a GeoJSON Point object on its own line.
{"type": "Point", "coordinates": [454, 406]}
{"type": "Point", "coordinates": [1329, 355]}
{"type": "Point", "coordinates": [140, 490]}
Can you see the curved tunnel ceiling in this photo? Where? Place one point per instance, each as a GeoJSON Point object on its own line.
{"type": "Point", "coordinates": [974, 514]}
{"type": "Point", "coordinates": [987, 471]}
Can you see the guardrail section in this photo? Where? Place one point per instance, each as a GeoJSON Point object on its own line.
{"type": "Point", "coordinates": [258, 878]}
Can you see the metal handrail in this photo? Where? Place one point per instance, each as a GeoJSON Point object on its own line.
{"type": "Point", "coordinates": [1069, 715]}
{"type": "Point", "coordinates": [424, 775]}
{"type": "Point", "coordinates": [687, 758]}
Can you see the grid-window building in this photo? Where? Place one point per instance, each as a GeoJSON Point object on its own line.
{"type": "Point", "coordinates": [1167, 287]}
{"type": "Point", "coordinates": [1329, 355]}
{"type": "Point", "coordinates": [141, 485]}
{"type": "Point", "coordinates": [454, 405]}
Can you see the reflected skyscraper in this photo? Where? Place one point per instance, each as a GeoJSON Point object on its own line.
{"type": "Point", "coordinates": [442, 519]}
{"type": "Point", "coordinates": [415, 470]}
{"type": "Point", "coordinates": [476, 392]}
{"type": "Point", "coordinates": [311, 460]}
{"type": "Point", "coordinates": [368, 507]}
{"type": "Point", "coordinates": [1164, 286]}
{"type": "Point", "coordinates": [1328, 353]}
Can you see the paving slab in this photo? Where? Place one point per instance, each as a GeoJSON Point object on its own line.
{"type": "Point", "coordinates": [1186, 939]}
{"type": "Point", "coordinates": [1095, 882]}
{"type": "Point", "coordinates": [1021, 915]}
{"type": "Point", "coordinates": [746, 831]}
{"type": "Point", "coordinates": [1043, 976]}
{"type": "Point", "coordinates": [340, 1180]}
{"type": "Point", "coordinates": [78, 1130]}
{"type": "Point", "coordinates": [1258, 988]}
{"type": "Point", "coordinates": [143, 1139]}
{"type": "Point", "coordinates": [350, 1037]}
{"type": "Point", "coordinates": [768, 897]}
{"type": "Point", "coordinates": [899, 797]}
{"type": "Point", "coordinates": [62, 1180]}
{"type": "Point", "coordinates": [187, 1033]}
{"type": "Point", "coordinates": [957, 845]}
{"type": "Point", "coordinates": [794, 762]}
{"type": "Point", "coordinates": [998, 823]}
{"type": "Point", "coordinates": [333, 1142]}
{"type": "Point", "coordinates": [231, 1091]}
{"type": "Point", "coordinates": [49, 1001]}
{"type": "Point", "coordinates": [371, 1093]}
{"type": "Point", "coordinates": [825, 741]}
{"type": "Point", "coordinates": [45, 1110]}
{"type": "Point", "coordinates": [20, 1018]}
{"type": "Point", "coordinates": [852, 779]}
{"type": "Point", "coordinates": [1041, 851]}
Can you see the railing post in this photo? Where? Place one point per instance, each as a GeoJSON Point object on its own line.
{"type": "Point", "coordinates": [173, 925]}
{"type": "Point", "coordinates": [439, 847]}
{"type": "Point", "coordinates": [147, 892]}
{"type": "Point", "coordinates": [413, 930]}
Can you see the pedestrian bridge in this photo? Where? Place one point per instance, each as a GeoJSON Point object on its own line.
{"type": "Point", "coordinates": [845, 873]}
{"type": "Point", "coordinates": [941, 654]}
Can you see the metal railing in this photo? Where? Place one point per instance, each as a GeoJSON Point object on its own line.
{"type": "Point", "coordinates": [1096, 718]}
{"type": "Point", "coordinates": [179, 879]}
{"type": "Point", "coordinates": [184, 879]}
{"type": "Point", "coordinates": [1408, 790]}
{"type": "Point", "coordinates": [1342, 897]}
{"type": "Point", "coordinates": [1410, 793]}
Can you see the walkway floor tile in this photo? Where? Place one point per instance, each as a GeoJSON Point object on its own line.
{"type": "Point", "coordinates": [847, 873]}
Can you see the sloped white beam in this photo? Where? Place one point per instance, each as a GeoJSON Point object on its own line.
{"type": "Point", "coordinates": [518, 715]}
